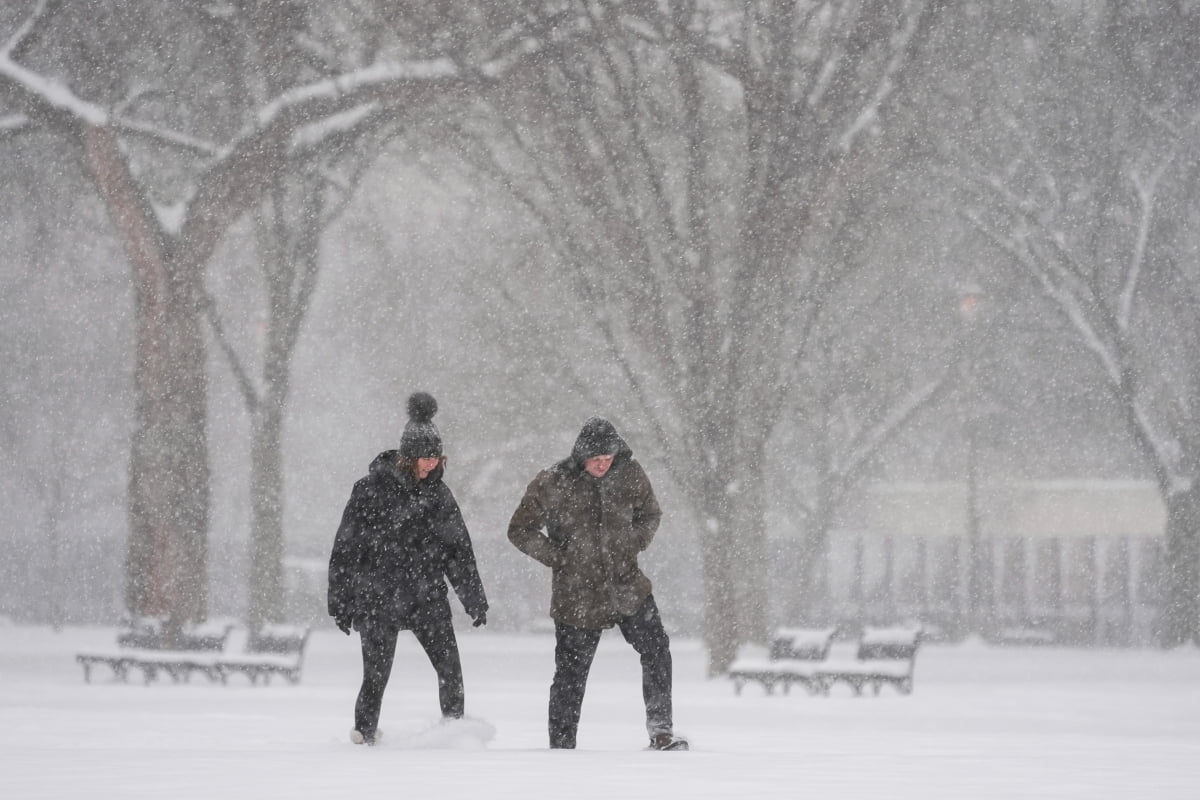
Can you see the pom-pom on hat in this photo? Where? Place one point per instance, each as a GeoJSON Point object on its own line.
{"type": "Point", "coordinates": [421, 438]}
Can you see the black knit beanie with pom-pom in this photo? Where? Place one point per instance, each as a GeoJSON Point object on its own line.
{"type": "Point", "coordinates": [421, 438]}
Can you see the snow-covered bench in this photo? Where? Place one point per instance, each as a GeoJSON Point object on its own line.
{"type": "Point", "coordinates": [274, 650]}
{"type": "Point", "coordinates": [151, 633]}
{"type": "Point", "coordinates": [146, 647]}
{"type": "Point", "coordinates": [795, 656]}
{"type": "Point", "coordinates": [884, 656]}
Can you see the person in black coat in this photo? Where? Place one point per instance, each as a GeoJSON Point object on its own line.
{"type": "Point", "coordinates": [401, 536]}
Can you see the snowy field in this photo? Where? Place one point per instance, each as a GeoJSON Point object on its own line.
{"type": "Point", "coordinates": [982, 723]}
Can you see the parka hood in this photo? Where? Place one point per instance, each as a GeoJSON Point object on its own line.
{"type": "Point", "coordinates": [598, 437]}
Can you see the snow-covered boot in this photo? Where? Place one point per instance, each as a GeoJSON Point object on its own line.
{"type": "Point", "coordinates": [358, 737]}
{"type": "Point", "coordinates": [667, 741]}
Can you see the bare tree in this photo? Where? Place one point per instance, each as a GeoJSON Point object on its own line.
{"type": "Point", "coordinates": [176, 165]}
{"type": "Point", "coordinates": [1089, 196]}
{"type": "Point", "coordinates": [679, 157]}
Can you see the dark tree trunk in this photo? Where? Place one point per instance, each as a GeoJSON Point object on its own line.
{"type": "Point", "coordinates": [290, 237]}
{"type": "Point", "coordinates": [809, 590]}
{"type": "Point", "coordinates": [266, 503]}
{"type": "Point", "coordinates": [1180, 621]}
{"type": "Point", "coordinates": [166, 573]}
{"type": "Point", "coordinates": [734, 550]}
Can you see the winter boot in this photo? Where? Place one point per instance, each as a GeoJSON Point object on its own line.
{"type": "Point", "coordinates": [358, 737]}
{"type": "Point", "coordinates": [667, 741]}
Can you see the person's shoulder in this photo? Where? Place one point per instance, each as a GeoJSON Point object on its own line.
{"type": "Point", "coordinates": [632, 468]}
{"type": "Point", "coordinates": [628, 462]}
{"type": "Point", "coordinates": [546, 477]}
{"type": "Point", "coordinates": [362, 494]}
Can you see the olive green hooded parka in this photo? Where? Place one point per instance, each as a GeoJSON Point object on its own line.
{"type": "Point", "coordinates": [589, 530]}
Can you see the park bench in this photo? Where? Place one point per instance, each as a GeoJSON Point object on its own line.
{"type": "Point", "coordinates": [795, 656]}
{"type": "Point", "coordinates": [273, 650]}
{"type": "Point", "coordinates": [150, 633]}
{"type": "Point", "coordinates": [885, 656]}
{"type": "Point", "coordinates": [145, 646]}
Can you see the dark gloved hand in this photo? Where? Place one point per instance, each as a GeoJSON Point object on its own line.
{"type": "Point", "coordinates": [343, 621]}
{"type": "Point", "coordinates": [480, 619]}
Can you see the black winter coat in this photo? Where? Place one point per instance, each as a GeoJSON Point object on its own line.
{"type": "Point", "coordinates": [399, 540]}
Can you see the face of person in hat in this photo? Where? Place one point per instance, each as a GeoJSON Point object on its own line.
{"type": "Point", "coordinates": [598, 466]}
{"type": "Point", "coordinates": [426, 466]}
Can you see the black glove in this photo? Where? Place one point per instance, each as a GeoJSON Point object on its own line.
{"type": "Point", "coordinates": [480, 619]}
{"type": "Point", "coordinates": [343, 621]}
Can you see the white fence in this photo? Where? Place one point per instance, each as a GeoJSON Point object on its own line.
{"type": "Point", "coordinates": [1066, 561]}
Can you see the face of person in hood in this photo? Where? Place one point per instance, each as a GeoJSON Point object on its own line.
{"type": "Point", "coordinates": [598, 466]}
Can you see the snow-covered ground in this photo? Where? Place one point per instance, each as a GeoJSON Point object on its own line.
{"type": "Point", "coordinates": [981, 723]}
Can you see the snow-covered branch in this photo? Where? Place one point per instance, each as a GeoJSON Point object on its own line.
{"type": "Point", "coordinates": [163, 136]}
{"type": "Point", "coordinates": [50, 94]}
{"type": "Point", "coordinates": [1035, 157]}
{"type": "Point", "coordinates": [359, 82]}
{"type": "Point", "coordinates": [310, 137]}
{"type": "Point", "coordinates": [1072, 309]}
{"type": "Point", "coordinates": [1146, 189]}
{"type": "Point", "coordinates": [887, 82]}
{"type": "Point", "coordinates": [872, 439]}
{"type": "Point", "coordinates": [1057, 290]}
{"type": "Point", "coordinates": [21, 33]}
{"type": "Point", "coordinates": [13, 122]}
{"type": "Point", "coordinates": [1165, 451]}
{"type": "Point", "coordinates": [245, 384]}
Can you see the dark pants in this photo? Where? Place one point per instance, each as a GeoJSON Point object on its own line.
{"type": "Point", "coordinates": [573, 653]}
{"type": "Point", "coordinates": [435, 633]}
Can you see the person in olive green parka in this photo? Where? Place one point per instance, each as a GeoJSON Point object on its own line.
{"type": "Point", "coordinates": [588, 518]}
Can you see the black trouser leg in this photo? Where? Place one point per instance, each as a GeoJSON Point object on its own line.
{"type": "Point", "coordinates": [574, 649]}
{"type": "Point", "coordinates": [435, 632]}
{"type": "Point", "coordinates": [378, 650]}
{"type": "Point", "coordinates": [644, 630]}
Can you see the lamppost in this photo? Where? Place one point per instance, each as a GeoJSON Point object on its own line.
{"type": "Point", "coordinates": [970, 302]}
